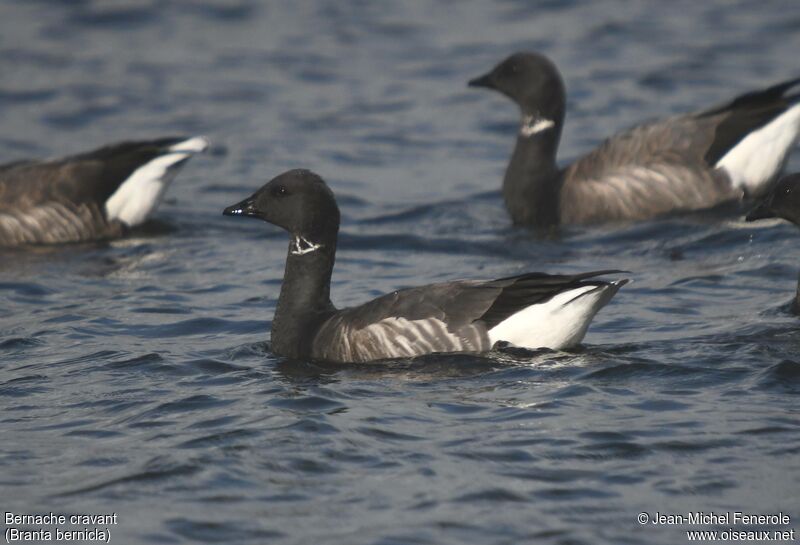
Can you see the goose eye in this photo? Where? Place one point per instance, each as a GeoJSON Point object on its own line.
{"type": "Point", "coordinates": [279, 191]}
{"type": "Point", "coordinates": [509, 70]}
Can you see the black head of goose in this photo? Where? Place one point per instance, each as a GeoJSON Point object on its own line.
{"type": "Point", "coordinates": [783, 201]}
{"type": "Point", "coordinates": [92, 196]}
{"type": "Point", "coordinates": [684, 162]}
{"type": "Point", "coordinates": [532, 310]}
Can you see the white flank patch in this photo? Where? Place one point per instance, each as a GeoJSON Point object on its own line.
{"type": "Point", "coordinates": [532, 125]}
{"type": "Point", "coordinates": [303, 246]}
{"type": "Point", "coordinates": [754, 161]}
{"type": "Point", "coordinates": [141, 193]}
{"type": "Point", "coordinates": [197, 144]}
{"type": "Point", "coordinates": [558, 323]}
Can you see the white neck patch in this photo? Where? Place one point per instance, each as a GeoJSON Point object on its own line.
{"type": "Point", "coordinates": [303, 246]}
{"type": "Point", "coordinates": [532, 125]}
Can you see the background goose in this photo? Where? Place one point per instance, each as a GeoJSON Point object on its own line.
{"type": "Point", "coordinates": [532, 310]}
{"type": "Point", "coordinates": [684, 162]}
{"type": "Point", "coordinates": [94, 195]}
{"type": "Point", "coordinates": [783, 201]}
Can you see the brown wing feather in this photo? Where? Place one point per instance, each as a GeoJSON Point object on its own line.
{"type": "Point", "coordinates": [648, 170]}
{"type": "Point", "coordinates": [449, 317]}
{"type": "Point", "coordinates": [411, 322]}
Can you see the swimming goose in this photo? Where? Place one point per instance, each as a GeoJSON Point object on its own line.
{"type": "Point", "coordinates": [683, 162]}
{"type": "Point", "coordinates": [531, 310]}
{"type": "Point", "coordinates": [95, 195]}
{"type": "Point", "coordinates": [783, 201]}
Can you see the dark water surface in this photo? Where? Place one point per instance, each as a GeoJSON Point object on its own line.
{"type": "Point", "coordinates": [136, 377]}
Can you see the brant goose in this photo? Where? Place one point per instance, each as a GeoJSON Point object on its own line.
{"type": "Point", "coordinates": [95, 195]}
{"type": "Point", "coordinates": [782, 202]}
{"type": "Point", "coordinates": [532, 310]}
{"type": "Point", "coordinates": [684, 162]}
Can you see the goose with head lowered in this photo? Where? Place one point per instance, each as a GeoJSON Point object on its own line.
{"type": "Point", "coordinates": [783, 201]}
{"type": "Point", "coordinates": [96, 195]}
{"type": "Point", "coordinates": [680, 163]}
{"type": "Point", "coordinates": [533, 310]}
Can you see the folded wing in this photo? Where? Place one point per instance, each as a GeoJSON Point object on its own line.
{"type": "Point", "coordinates": [450, 317]}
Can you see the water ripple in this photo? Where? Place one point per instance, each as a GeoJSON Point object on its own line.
{"type": "Point", "coordinates": [138, 374]}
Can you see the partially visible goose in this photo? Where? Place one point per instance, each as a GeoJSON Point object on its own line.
{"type": "Point", "coordinates": [531, 310]}
{"type": "Point", "coordinates": [782, 202]}
{"type": "Point", "coordinates": [684, 162]}
{"type": "Point", "coordinates": [91, 196]}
